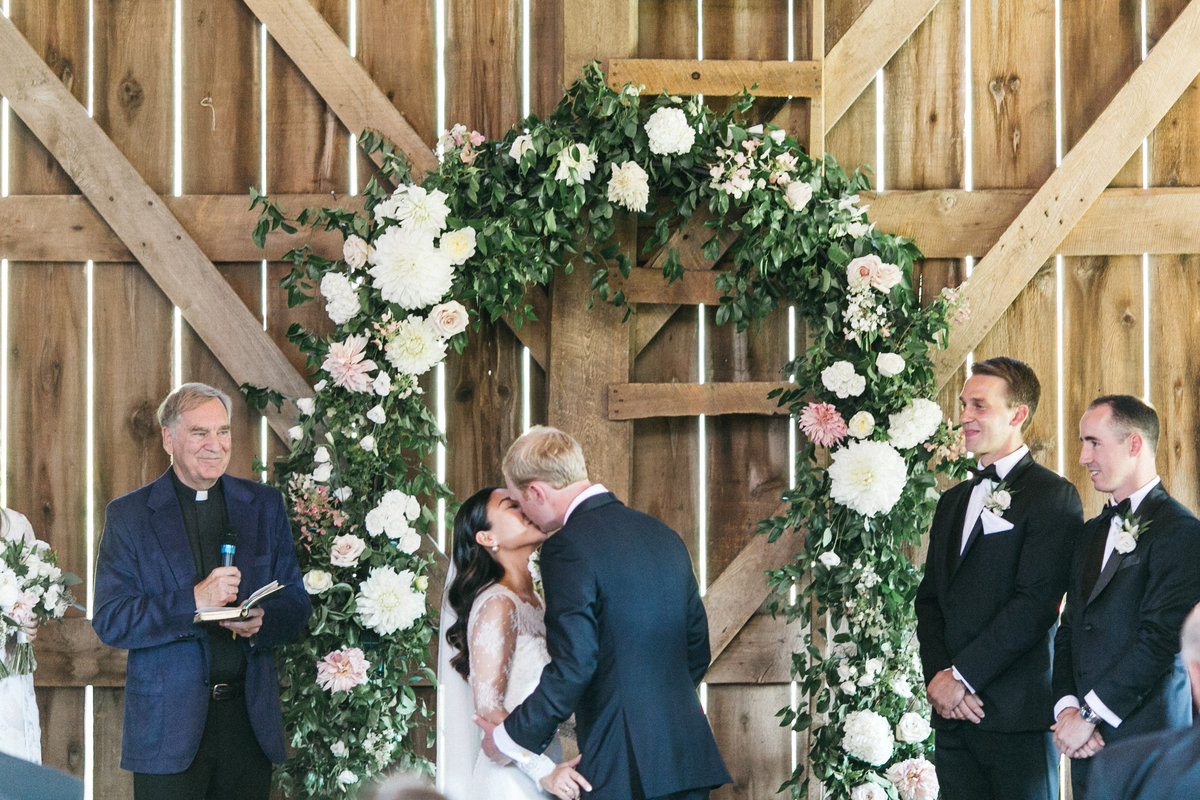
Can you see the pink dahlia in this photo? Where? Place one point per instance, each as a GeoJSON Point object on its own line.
{"type": "Point", "coordinates": [342, 670]}
{"type": "Point", "coordinates": [347, 366]}
{"type": "Point", "coordinates": [822, 424]}
{"type": "Point", "coordinates": [915, 779]}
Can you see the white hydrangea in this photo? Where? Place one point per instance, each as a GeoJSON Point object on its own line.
{"type": "Point", "coordinates": [669, 132]}
{"type": "Point", "coordinates": [393, 515]}
{"type": "Point", "coordinates": [867, 477]}
{"type": "Point", "coordinates": [408, 270]}
{"type": "Point", "coordinates": [841, 379]}
{"type": "Point", "coordinates": [629, 186]}
{"type": "Point", "coordinates": [415, 347]}
{"type": "Point", "coordinates": [341, 298]}
{"type": "Point", "coordinates": [914, 424]}
{"type": "Point", "coordinates": [387, 601]}
{"type": "Point", "coordinates": [867, 736]}
{"type": "Point", "coordinates": [416, 209]}
{"type": "Point", "coordinates": [576, 163]}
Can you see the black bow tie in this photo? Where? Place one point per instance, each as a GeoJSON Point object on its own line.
{"type": "Point", "coordinates": [988, 473]}
{"type": "Point", "coordinates": [1121, 509]}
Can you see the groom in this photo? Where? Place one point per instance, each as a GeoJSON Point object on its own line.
{"type": "Point", "coordinates": [627, 634]}
{"type": "Point", "coordinates": [1134, 577]}
{"type": "Point", "coordinates": [994, 577]}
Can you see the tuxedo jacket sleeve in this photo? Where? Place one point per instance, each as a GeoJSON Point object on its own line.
{"type": "Point", "coordinates": [1122, 641]}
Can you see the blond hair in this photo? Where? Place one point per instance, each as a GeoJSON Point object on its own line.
{"type": "Point", "coordinates": [544, 454]}
{"type": "Point", "coordinates": [187, 397]}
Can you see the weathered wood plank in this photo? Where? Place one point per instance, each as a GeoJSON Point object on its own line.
{"type": "Point", "coordinates": [70, 654]}
{"type": "Point", "coordinates": [1175, 289]}
{"type": "Point", "coordinates": [761, 653]}
{"type": "Point", "coordinates": [108, 716]}
{"type": "Point", "coordinates": [1088, 167]}
{"type": "Point", "coordinates": [595, 30]}
{"type": "Point", "coordinates": [322, 56]}
{"type": "Point", "coordinates": [850, 134]}
{"type": "Point", "coordinates": [643, 400]}
{"type": "Point", "coordinates": [717, 77]}
{"type": "Point", "coordinates": [134, 211]}
{"type": "Point", "coordinates": [1102, 295]}
{"type": "Point", "coordinates": [648, 286]}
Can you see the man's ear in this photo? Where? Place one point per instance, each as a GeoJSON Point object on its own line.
{"type": "Point", "coordinates": [168, 445]}
{"type": "Point", "coordinates": [538, 491]}
{"type": "Point", "coordinates": [1021, 414]}
{"type": "Point", "coordinates": [1136, 443]}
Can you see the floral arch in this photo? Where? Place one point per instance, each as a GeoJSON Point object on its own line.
{"type": "Point", "coordinates": [419, 263]}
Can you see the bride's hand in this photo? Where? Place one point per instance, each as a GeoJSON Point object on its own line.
{"type": "Point", "coordinates": [564, 782]}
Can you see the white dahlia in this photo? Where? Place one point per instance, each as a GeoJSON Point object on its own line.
{"type": "Point", "coordinates": [576, 163]}
{"type": "Point", "coordinates": [629, 186]}
{"type": "Point", "coordinates": [387, 601]}
{"type": "Point", "coordinates": [416, 209]}
{"type": "Point", "coordinates": [415, 347]}
{"type": "Point", "coordinates": [408, 270]}
{"type": "Point", "coordinates": [867, 477]}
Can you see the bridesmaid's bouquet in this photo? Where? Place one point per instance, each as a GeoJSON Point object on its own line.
{"type": "Point", "coordinates": [32, 589]}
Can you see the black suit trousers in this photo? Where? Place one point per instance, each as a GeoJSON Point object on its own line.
{"type": "Point", "coordinates": [989, 765]}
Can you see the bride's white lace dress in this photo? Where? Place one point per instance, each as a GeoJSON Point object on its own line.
{"type": "Point", "coordinates": [507, 639]}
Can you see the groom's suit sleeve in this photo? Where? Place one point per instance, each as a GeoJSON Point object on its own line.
{"type": "Point", "coordinates": [573, 638]}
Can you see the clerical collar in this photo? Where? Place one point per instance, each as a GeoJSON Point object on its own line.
{"type": "Point", "coordinates": [187, 493]}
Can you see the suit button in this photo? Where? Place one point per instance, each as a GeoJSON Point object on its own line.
{"type": "Point", "coordinates": [1088, 627]}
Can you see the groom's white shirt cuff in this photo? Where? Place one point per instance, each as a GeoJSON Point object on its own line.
{"type": "Point", "coordinates": [959, 677]}
{"type": "Point", "coordinates": [535, 765]}
{"type": "Point", "coordinates": [1094, 703]}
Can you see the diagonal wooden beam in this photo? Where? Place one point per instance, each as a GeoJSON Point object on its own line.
{"type": "Point", "coordinates": [143, 222]}
{"type": "Point", "coordinates": [867, 47]}
{"type": "Point", "coordinates": [325, 61]}
{"type": "Point", "coordinates": [1070, 191]}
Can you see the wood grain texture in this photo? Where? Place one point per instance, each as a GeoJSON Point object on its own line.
{"type": "Point", "coordinates": [483, 65]}
{"type": "Point", "coordinates": [1175, 289]}
{"type": "Point", "coordinates": [724, 77]}
{"type": "Point", "coordinates": [644, 400]}
{"type": "Point", "coordinates": [761, 653]}
{"type": "Point", "coordinates": [849, 136]}
{"type": "Point", "coordinates": [405, 75]}
{"type": "Point", "coordinates": [316, 49]}
{"type": "Point", "coordinates": [1102, 300]}
{"type": "Point", "coordinates": [108, 715]}
{"type": "Point", "coordinates": [61, 711]}
{"type": "Point", "coordinates": [1088, 167]}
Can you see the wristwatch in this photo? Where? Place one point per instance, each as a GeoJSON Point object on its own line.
{"type": "Point", "coordinates": [1088, 715]}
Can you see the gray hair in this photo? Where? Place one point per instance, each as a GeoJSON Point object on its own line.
{"type": "Point", "coordinates": [1189, 639]}
{"type": "Point", "coordinates": [187, 397]}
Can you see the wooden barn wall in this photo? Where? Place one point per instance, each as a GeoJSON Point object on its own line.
{"type": "Point", "coordinates": [975, 99]}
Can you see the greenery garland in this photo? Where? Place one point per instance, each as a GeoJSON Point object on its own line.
{"type": "Point", "coordinates": [499, 216]}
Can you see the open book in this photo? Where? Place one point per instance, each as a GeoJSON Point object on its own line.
{"type": "Point", "coordinates": [219, 613]}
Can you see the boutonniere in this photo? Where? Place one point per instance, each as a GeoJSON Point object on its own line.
{"type": "Point", "coordinates": [998, 499]}
{"type": "Point", "coordinates": [535, 570]}
{"type": "Point", "coordinates": [1128, 530]}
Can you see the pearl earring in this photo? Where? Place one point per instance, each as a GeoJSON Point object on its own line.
{"type": "Point", "coordinates": [495, 548]}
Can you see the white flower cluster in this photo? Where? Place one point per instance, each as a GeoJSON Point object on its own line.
{"type": "Point", "coordinates": [669, 132]}
{"type": "Point", "coordinates": [393, 516]}
{"type": "Point", "coordinates": [341, 297]}
{"type": "Point", "coordinates": [576, 164]}
{"type": "Point", "coordinates": [914, 424]}
{"type": "Point", "coordinates": [864, 312]}
{"type": "Point", "coordinates": [851, 218]}
{"type": "Point", "coordinates": [867, 477]}
{"type": "Point", "coordinates": [388, 602]}
{"type": "Point", "coordinates": [629, 186]}
{"type": "Point", "coordinates": [841, 379]}
{"type": "Point", "coordinates": [867, 736]}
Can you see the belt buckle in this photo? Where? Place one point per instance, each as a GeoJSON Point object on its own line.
{"type": "Point", "coordinates": [223, 691]}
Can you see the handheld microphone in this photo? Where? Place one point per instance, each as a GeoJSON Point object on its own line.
{"type": "Point", "coordinates": [228, 545]}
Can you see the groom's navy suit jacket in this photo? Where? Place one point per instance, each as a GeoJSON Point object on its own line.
{"type": "Point", "coordinates": [989, 612]}
{"type": "Point", "coordinates": [628, 641]}
{"type": "Point", "coordinates": [145, 576]}
{"type": "Point", "coordinates": [1122, 640]}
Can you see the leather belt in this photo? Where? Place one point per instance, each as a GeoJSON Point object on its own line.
{"type": "Point", "coordinates": [227, 691]}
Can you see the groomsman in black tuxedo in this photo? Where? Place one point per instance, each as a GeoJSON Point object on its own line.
{"type": "Point", "coordinates": [994, 577]}
{"type": "Point", "coordinates": [1135, 575]}
{"type": "Point", "coordinates": [1157, 766]}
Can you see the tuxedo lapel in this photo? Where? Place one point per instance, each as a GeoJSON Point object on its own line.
{"type": "Point", "coordinates": [1145, 511]}
{"type": "Point", "coordinates": [953, 538]}
{"type": "Point", "coordinates": [166, 519]}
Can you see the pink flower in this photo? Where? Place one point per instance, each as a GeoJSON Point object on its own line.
{"type": "Point", "coordinates": [476, 138]}
{"type": "Point", "coordinates": [915, 779]}
{"type": "Point", "coordinates": [342, 670]}
{"type": "Point", "coordinates": [346, 365]}
{"type": "Point", "coordinates": [822, 424]}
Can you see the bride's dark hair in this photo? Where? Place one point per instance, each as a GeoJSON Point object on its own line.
{"type": "Point", "coordinates": [475, 571]}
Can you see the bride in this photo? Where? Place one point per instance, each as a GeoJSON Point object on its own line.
{"type": "Point", "coordinates": [492, 622]}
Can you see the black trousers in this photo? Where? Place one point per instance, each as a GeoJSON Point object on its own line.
{"type": "Point", "coordinates": [988, 765]}
{"type": "Point", "coordinates": [230, 764]}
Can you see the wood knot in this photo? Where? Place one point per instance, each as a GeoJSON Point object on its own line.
{"type": "Point", "coordinates": [143, 422]}
{"type": "Point", "coordinates": [464, 392]}
{"type": "Point", "coordinates": [132, 94]}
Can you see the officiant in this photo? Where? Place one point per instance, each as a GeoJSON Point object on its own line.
{"type": "Point", "coordinates": [202, 715]}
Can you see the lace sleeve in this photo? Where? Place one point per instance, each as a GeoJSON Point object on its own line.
{"type": "Point", "coordinates": [492, 637]}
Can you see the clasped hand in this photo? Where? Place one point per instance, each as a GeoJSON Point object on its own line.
{"type": "Point", "coordinates": [1075, 738]}
{"type": "Point", "coordinates": [564, 782]}
{"type": "Point", "coordinates": [951, 700]}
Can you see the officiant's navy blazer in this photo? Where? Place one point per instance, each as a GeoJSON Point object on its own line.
{"type": "Point", "coordinates": [990, 612]}
{"type": "Point", "coordinates": [1155, 766]}
{"type": "Point", "coordinates": [144, 603]}
{"type": "Point", "coordinates": [1123, 639]}
{"type": "Point", "coordinates": [628, 641]}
